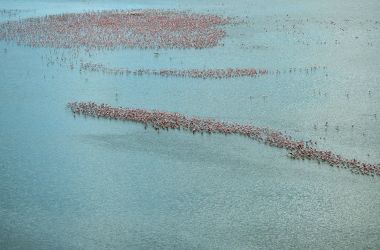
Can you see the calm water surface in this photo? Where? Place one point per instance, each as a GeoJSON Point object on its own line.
{"type": "Point", "coordinates": [76, 183]}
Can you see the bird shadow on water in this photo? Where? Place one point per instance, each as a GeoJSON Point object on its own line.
{"type": "Point", "coordinates": [205, 149]}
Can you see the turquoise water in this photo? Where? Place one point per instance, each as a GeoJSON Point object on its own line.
{"type": "Point", "coordinates": [76, 183]}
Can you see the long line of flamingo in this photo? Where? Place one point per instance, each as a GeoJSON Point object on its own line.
{"type": "Point", "coordinates": [193, 73]}
{"type": "Point", "coordinates": [166, 120]}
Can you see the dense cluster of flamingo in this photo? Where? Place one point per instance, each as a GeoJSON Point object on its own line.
{"type": "Point", "coordinates": [165, 120]}
{"type": "Point", "coordinates": [194, 73]}
{"type": "Point", "coordinates": [112, 29]}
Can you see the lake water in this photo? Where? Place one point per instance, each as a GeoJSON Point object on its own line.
{"type": "Point", "coordinates": [76, 183]}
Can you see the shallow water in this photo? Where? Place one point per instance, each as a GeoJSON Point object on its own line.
{"type": "Point", "coordinates": [81, 183]}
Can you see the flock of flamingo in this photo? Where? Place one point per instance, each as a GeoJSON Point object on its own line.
{"type": "Point", "coordinates": [160, 29]}
{"type": "Point", "coordinates": [165, 120]}
{"type": "Point", "coordinates": [113, 29]}
{"type": "Point", "coordinates": [193, 73]}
